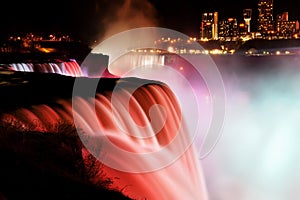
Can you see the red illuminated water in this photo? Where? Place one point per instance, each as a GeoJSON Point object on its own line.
{"type": "Point", "coordinates": [181, 178]}
{"type": "Point", "coordinates": [69, 68]}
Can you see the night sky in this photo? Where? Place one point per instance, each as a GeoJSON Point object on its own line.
{"type": "Point", "coordinates": [93, 19]}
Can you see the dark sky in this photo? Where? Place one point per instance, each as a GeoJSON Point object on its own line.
{"type": "Point", "coordinates": [91, 19]}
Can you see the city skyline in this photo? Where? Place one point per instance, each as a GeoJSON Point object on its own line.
{"type": "Point", "coordinates": [188, 15]}
{"type": "Point", "coordinates": [268, 25]}
{"type": "Point", "coordinates": [91, 19]}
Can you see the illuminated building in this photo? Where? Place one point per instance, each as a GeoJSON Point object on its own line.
{"type": "Point", "coordinates": [265, 17]}
{"type": "Point", "coordinates": [242, 29]}
{"type": "Point", "coordinates": [228, 29]}
{"type": "Point", "coordinates": [215, 26]}
{"type": "Point", "coordinates": [247, 13]}
{"type": "Point", "coordinates": [284, 28]}
{"type": "Point", "coordinates": [224, 29]}
{"type": "Point", "coordinates": [209, 26]}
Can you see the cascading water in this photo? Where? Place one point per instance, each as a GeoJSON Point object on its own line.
{"type": "Point", "coordinates": [135, 127]}
{"type": "Point", "coordinates": [182, 178]}
{"type": "Point", "coordinates": [139, 60]}
{"type": "Point", "coordinates": [68, 68]}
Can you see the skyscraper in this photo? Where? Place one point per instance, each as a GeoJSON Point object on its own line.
{"type": "Point", "coordinates": [285, 28]}
{"type": "Point", "coordinates": [209, 26]}
{"type": "Point", "coordinates": [247, 13]}
{"type": "Point", "coordinates": [265, 16]}
{"type": "Point", "coordinates": [228, 29]}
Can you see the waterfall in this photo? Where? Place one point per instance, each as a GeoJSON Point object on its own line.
{"type": "Point", "coordinates": [120, 122]}
{"type": "Point", "coordinates": [68, 68]}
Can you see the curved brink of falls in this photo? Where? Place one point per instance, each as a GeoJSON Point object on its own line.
{"type": "Point", "coordinates": [181, 179]}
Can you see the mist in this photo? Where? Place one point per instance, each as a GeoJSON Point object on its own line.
{"type": "Point", "coordinates": [257, 156]}
{"type": "Point", "coordinates": [124, 15]}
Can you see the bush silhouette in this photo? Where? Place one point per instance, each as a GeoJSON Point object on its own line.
{"type": "Point", "coordinates": [43, 165]}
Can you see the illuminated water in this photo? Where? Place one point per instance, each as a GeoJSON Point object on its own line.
{"type": "Point", "coordinates": [180, 178]}
{"type": "Point", "coordinates": [257, 156]}
{"type": "Point", "coordinates": [68, 68]}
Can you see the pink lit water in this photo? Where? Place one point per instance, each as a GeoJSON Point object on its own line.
{"type": "Point", "coordinates": [68, 68]}
{"type": "Point", "coordinates": [181, 179]}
